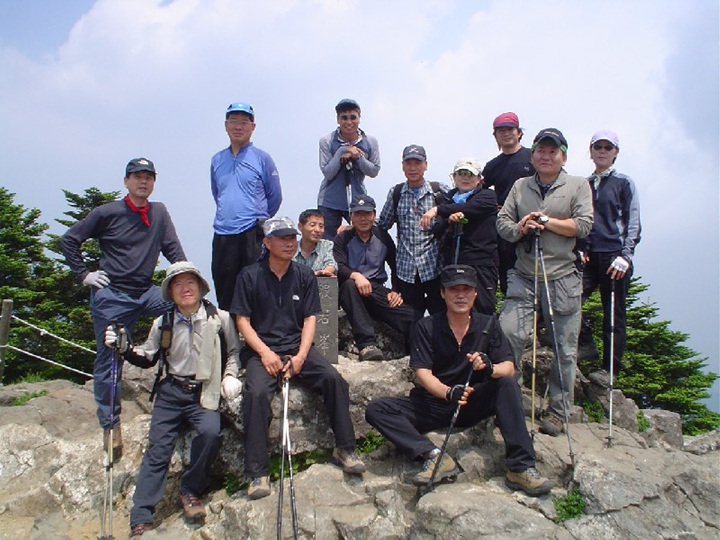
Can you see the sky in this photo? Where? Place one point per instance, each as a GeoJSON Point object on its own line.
{"type": "Point", "coordinates": [87, 85]}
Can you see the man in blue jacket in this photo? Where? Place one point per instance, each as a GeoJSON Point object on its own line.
{"type": "Point", "coordinates": [246, 187]}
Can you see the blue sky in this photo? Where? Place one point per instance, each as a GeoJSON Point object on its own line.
{"type": "Point", "coordinates": [85, 86]}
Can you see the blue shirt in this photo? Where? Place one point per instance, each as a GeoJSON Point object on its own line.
{"type": "Point", "coordinates": [245, 187]}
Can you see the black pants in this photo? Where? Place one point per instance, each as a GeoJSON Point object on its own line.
{"type": "Point", "coordinates": [173, 408]}
{"type": "Point", "coordinates": [404, 420]}
{"type": "Point", "coordinates": [595, 276]}
{"type": "Point", "coordinates": [333, 220]}
{"type": "Point", "coordinates": [487, 284]}
{"type": "Point", "coordinates": [318, 376]}
{"type": "Point", "coordinates": [508, 257]}
{"type": "Point", "coordinates": [230, 254]}
{"type": "Point", "coordinates": [422, 296]}
{"type": "Point", "coordinates": [361, 311]}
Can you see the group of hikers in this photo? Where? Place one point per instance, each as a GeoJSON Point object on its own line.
{"type": "Point", "coordinates": [455, 245]}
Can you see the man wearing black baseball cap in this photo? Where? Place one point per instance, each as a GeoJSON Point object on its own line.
{"type": "Point", "coordinates": [361, 253]}
{"type": "Point", "coordinates": [558, 209]}
{"type": "Point", "coordinates": [446, 347]}
{"type": "Point", "coordinates": [347, 156]}
{"type": "Point", "coordinates": [245, 184]}
{"type": "Point", "coordinates": [132, 233]}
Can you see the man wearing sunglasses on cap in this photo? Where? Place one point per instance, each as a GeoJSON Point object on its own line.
{"type": "Point", "coordinates": [608, 250]}
{"type": "Point", "coordinates": [347, 156]}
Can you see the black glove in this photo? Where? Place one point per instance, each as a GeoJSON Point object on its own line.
{"type": "Point", "coordinates": [489, 367]}
{"type": "Point", "coordinates": [455, 393]}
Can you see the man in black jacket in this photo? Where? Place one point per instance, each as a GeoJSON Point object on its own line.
{"type": "Point", "coordinates": [361, 254]}
{"type": "Point", "coordinates": [466, 225]}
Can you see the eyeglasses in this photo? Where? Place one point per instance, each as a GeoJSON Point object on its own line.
{"type": "Point", "coordinates": [349, 117]}
{"type": "Point", "coordinates": [600, 146]}
{"type": "Point", "coordinates": [463, 172]}
{"type": "Point", "coordinates": [239, 121]}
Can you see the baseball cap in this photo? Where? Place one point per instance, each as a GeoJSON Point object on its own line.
{"type": "Point", "coordinates": [414, 151]}
{"type": "Point", "coordinates": [346, 104]}
{"type": "Point", "coordinates": [139, 164]}
{"type": "Point", "coordinates": [458, 274]}
{"type": "Point", "coordinates": [182, 267]}
{"type": "Point", "coordinates": [468, 164]}
{"type": "Point", "coordinates": [282, 226]}
{"type": "Point", "coordinates": [240, 107]}
{"type": "Point", "coordinates": [506, 119]}
{"type": "Point", "coordinates": [555, 135]}
{"type": "Point", "coordinates": [605, 135]}
{"type": "Point", "coordinates": [363, 203]}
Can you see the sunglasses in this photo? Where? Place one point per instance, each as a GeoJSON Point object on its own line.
{"type": "Point", "coordinates": [463, 172]}
{"type": "Point", "coordinates": [600, 146]}
{"type": "Point", "coordinates": [348, 116]}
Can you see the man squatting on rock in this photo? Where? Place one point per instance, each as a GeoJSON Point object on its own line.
{"type": "Point", "coordinates": [203, 338]}
{"type": "Point", "coordinates": [275, 304]}
{"type": "Point", "coordinates": [132, 233]}
{"type": "Point", "coordinates": [445, 348]}
{"type": "Point", "coordinates": [558, 207]}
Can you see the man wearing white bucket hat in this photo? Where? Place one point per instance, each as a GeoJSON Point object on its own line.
{"type": "Point", "coordinates": [192, 342]}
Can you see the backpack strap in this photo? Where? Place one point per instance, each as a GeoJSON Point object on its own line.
{"type": "Point", "coordinates": [438, 196]}
{"type": "Point", "coordinates": [166, 327]}
{"type": "Point", "coordinates": [212, 311]}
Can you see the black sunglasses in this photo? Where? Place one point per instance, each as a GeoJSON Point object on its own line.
{"type": "Point", "coordinates": [600, 146]}
{"type": "Point", "coordinates": [348, 116]}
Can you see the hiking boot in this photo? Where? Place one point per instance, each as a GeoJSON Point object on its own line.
{"type": "Point", "coordinates": [348, 460]}
{"type": "Point", "coordinates": [530, 481]}
{"type": "Point", "coordinates": [136, 531]}
{"type": "Point", "coordinates": [259, 487]}
{"type": "Point", "coordinates": [193, 508]}
{"type": "Point", "coordinates": [371, 353]}
{"type": "Point", "coordinates": [447, 468]}
{"type": "Point", "coordinates": [552, 425]}
{"type": "Point", "coordinates": [600, 377]}
{"type": "Point", "coordinates": [116, 442]}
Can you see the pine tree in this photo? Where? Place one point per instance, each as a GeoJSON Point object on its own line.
{"type": "Point", "coordinates": [659, 371]}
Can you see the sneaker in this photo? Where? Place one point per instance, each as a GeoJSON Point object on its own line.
{"type": "Point", "coordinates": [530, 481]}
{"type": "Point", "coordinates": [552, 425]}
{"type": "Point", "coordinates": [116, 442]}
{"type": "Point", "coordinates": [193, 508]}
{"type": "Point", "coordinates": [136, 531]}
{"type": "Point", "coordinates": [447, 468]}
{"type": "Point", "coordinates": [371, 353]}
{"type": "Point", "coordinates": [348, 460]}
{"type": "Point", "coordinates": [600, 377]}
{"type": "Point", "coordinates": [259, 487]}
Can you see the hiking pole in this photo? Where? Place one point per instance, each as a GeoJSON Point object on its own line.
{"type": "Point", "coordinates": [536, 309]}
{"type": "Point", "coordinates": [612, 356]}
{"type": "Point", "coordinates": [107, 512]}
{"type": "Point", "coordinates": [458, 234]}
{"type": "Point", "coordinates": [483, 343]}
{"type": "Point", "coordinates": [286, 450]}
{"type": "Point", "coordinates": [348, 184]}
{"type": "Point", "coordinates": [556, 349]}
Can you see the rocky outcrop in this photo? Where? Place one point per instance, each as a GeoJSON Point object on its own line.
{"type": "Point", "coordinates": [646, 485]}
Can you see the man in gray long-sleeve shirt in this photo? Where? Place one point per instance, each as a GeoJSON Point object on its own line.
{"type": "Point", "coordinates": [347, 156]}
{"type": "Point", "coordinates": [557, 207]}
{"type": "Point", "coordinates": [132, 233]}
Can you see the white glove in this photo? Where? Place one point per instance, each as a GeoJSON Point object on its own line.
{"type": "Point", "coordinates": [118, 341]}
{"type": "Point", "coordinates": [98, 279]}
{"type": "Point", "coordinates": [230, 388]}
{"type": "Point", "coordinates": [620, 264]}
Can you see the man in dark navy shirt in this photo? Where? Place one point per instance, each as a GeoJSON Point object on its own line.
{"type": "Point", "coordinates": [275, 303]}
{"type": "Point", "coordinates": [361, 254]}
{"type": "Point", "coordinates": [445, 348]}
{"type": "Point", "coordinates": [501, 172]}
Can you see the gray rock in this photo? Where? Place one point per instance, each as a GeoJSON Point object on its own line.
{"type": "Point", "coordinates": [665, 427]}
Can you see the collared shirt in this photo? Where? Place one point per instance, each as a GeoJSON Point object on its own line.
{"type": "Point", "coordinates": [417, 248]}
{"type": "Point", "coordinates": [246, 188]}
{"type": "Point", "coordinates": [320, 257]}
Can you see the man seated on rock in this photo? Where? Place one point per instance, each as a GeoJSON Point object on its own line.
{"type": "Point", "coordinates": [275, 303]}
{"type": "Point", "coordinates": [314, 250]}
{"type": "Point", "coordinates": [202, 339]}
{"type": "Point", "coordinates": [445, 349]}
{"type": "Point", "coordinates": [361, 253]}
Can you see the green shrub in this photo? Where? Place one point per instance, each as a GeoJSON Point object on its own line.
{"type": "Point", "coordinates": [569, 506]}
{"type": "Point", "coordinates": [22, 400]}
{"type": "Point", "coordinates": [594, 410]}
{"type": "Point", "coordinates": [642, 422]}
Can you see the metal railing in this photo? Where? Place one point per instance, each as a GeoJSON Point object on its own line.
{"type": "Point", "coordinates": [5, 319]}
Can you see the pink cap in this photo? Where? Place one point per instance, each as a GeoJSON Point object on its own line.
{"type": "Point", "coordinates": [605, 135]}
{"type": "Point", "coordinates": [507, 119]}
